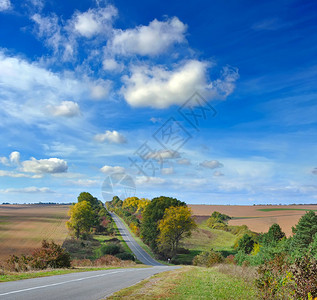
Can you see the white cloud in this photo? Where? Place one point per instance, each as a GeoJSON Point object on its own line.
{"type": "Point", "coordinates": [51, 165]}
{"type": "Point", "coordinates": [155, 120]}
{"type": "Point", "coordinates": [100, 89]}
{"type": "Point", "coordinates": [28, 190]}
{"type": "Point", "coordinates": [18, 175]}
{"type": "Point", "coordinates": [110, 169]}
{"type": "Point", "coordinates": [15, 157]}
{"type": "Point", "coordinates": [39, 91]}
{"type": "Point", "coordinates": [65, 109]}
{"type": "Point", "coordinates": [146, 180]}
{"type": "Point", "coordinates": [153, 39]}
{"type": "Point", "coordinates": [110, 64]}
{"type": "Point", "coordinates": [184, 161]}
{"type": "Point", "coordinates": [5, 5]}
{"type": "Point", "coordinates": [83, 182]}
{"type": "Point", "coordinates": [160, 88]}
{"type": "Point", "coordinates": [94, 21]}
{"type": "Point", "coordinates": [4, 161]}
{"type": "Point", "coordinates": [167, 171]}
{"type": "Point", "coordinates": [211, 164]}
{"type": "Point", "coordinates": [112, 137]}
{"type": "Point", "coordinates": [163, 154]}
{"type": "Point", "coordinates": [218, 174]}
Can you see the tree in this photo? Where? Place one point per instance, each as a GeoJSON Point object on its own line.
{"type": "Point", "coordinates": [274, 235]}
{"type": "Point", "coordinates": [304, 232]}
{"type": "Point", "coordinates": [176, 224]}
{"type": "Point", "coordinates": [94, 202]}
{"type": "Point", "coordinates": [246, 244]}
{"type": "Point", "coordinates": [152, 214]}
{"type": "Point", "coordinates": [81, 218]}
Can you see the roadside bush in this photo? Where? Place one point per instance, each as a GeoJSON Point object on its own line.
{"type": "Point", "coordinates": [50, 255]}
{"type": "Point", "coordinates": [110, 248]}
{"type": "Point", "coordinates": [208, 259]}
{"type": "Point", "coordinates": [125, 256]}
{"type": "Point", "coordinates": [20, 263]}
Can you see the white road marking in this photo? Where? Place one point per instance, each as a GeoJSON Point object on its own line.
{"type": "Point", "coordinates": [64, 282]}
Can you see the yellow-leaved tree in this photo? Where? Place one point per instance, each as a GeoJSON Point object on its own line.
{"type": "Point", "coordinates": [176, 224]}
{"type": "Point", "coordinates": [81, 218]}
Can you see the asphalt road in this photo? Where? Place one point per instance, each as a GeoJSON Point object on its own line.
{"type": "Point", "coordinates": [85, 285]}
{"type": "Point", "coordinates": [140, 254]}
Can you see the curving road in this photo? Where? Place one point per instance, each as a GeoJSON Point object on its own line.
{"type": "Point", "coordinates": [140, 254]}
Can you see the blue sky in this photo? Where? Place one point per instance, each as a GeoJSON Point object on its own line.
{"type": "Point", "coordinates": [99, 96]}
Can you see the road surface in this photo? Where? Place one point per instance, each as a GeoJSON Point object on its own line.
{"type": "Point", "coordinates": [76, 286]}
{"type": "Point", "coordinates": [86, 285]}
{"type": "Point", "coordinates": [140, 254]}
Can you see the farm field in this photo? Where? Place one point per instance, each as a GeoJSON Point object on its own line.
{"type": "Point", "coordinates": [23, 227]}
{"type": "Point", "coordinates": [258, 218]}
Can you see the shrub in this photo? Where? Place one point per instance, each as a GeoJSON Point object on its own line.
{"type": "Point", "coordinates": [208, 259]}
{"type": "Point", "coordinates": [110, 248]}
{"type": "Point", "coordinates": [305, 277]}
{"type": "Point", "coordinates": [125, 256]}
{"type": "Point", "coordinates": [50, 255]}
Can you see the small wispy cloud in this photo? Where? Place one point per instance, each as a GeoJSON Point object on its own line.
{"type": "Point", "coordinates": [211, 164]}
{"type": "Point", "coordinates": [112, 137]}
{"type": "Point", "coordinates": [28, 190]}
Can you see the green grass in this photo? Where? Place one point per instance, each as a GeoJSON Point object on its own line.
{"type": "Point", "coordinates": [36, 274]}
{"type": "Point", "coordinates": [277, 209]}
{"type": "Point", "coordinates": [204, 239]}
{"type": "Point", "coordinates": [190, 283]}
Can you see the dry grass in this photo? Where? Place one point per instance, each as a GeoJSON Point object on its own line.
{"type": "Point", "coordinates": [256, 219]}
{"type": "Point", "coordinates": [23, 227]}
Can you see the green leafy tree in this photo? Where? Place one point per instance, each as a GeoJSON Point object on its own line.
{"type": "Point", "coordinates": [81, 218]}
{"type": "Point", "coordinates": [246, 244]}
{"type": "Point", "coordinates": [274, 235]}
{"type": "Point", "coordinates": [313, 247]}
{"type": "Point", "coordinates": [304, 233]}
{"type": "Point", "coordinates": [94, 202]}
{"type": "Point", "coordinates": [152, 214]}
{"type": "Point", "coordinates": [176, 224]}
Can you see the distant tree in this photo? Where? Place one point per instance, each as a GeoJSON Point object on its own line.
{"type": "Point", "coordinates": [246, 244]}
{"type": "Point", "coordinates": [94, 202]}
{"type": "Point", "coordinates": [134, 204]}
{"type": "Point", "coordinates": [152, 214]}
{"type": "Point", "coordinates": [81, 218]}
{"type": "Point", "coordinates": [176, 224]}
{"type": "Point", "coordinates": [304, 232]}
{"type": "Point", "coordinates": [274, 235]}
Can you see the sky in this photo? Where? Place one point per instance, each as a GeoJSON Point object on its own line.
{"type": "Point", "coordinates": [210, 102]}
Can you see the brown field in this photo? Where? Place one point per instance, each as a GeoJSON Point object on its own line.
{"type": "Point", "coordinates": [23, 227]}
{"type": "Point", "coordinates": [255, 219]}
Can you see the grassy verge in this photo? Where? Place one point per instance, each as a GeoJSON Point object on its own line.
{"type": "Point", "coordinates": [190, 283]}
{"type": "Point", "coordinates": [35, 274]}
